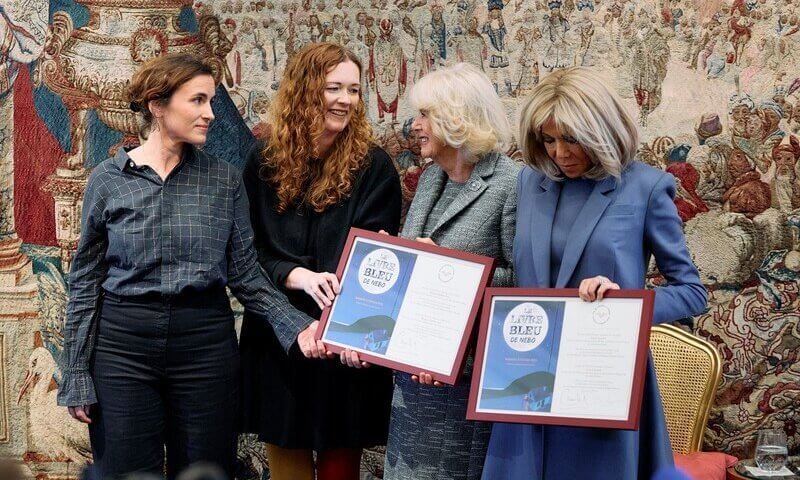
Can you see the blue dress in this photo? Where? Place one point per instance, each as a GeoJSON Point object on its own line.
{"type": "Point", "coordinates": [614, 232]}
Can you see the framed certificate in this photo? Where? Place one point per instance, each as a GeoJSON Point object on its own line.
{"type": "Point", "coordinates": [404, 304]}
{"type": "Point", "coordinates": [544, 356]}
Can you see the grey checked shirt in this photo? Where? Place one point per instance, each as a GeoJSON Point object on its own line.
{"type": "Point", "coordinates": [140, 235]}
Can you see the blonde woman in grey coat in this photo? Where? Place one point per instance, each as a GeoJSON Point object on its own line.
{"type": "Point", "coordinates": [465, 200]}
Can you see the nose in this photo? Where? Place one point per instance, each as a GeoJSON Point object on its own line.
{"type": "Point", "coordinates": [344, 97]}
{"type": "Point", "coordinates": [208, 112]}
{"type": "Point", "coordinates": [562, 149]}
{"type": "Point", "coordinates": [415, 125]}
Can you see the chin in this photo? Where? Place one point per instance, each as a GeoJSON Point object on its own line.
{"type": "Point", "coordinates": [197, 140]}
{"type": "Point", "coordinates": [335, 127]}
{"type": "Point", "coordinates": [429, 153]}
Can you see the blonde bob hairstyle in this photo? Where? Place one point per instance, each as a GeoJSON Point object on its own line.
{"type": "Point", "coordinates": [583, 107]}
{"type": "Point", "coordinates": [464, 110]}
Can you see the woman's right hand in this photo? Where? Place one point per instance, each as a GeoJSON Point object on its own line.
{"type": "Point", "coordinates": [80, 413]}
{"type": "Point", "coordinates": [322, 287]}
{"type": "Point", "coordinates": [311, 347]}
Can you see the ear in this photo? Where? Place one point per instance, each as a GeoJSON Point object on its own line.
{"type": "Point", "coordinates": [156, 108]}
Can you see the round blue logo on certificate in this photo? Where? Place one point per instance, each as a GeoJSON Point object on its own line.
{"type": "Point", "coordinates": [525, 327]}
{"type": "Point", "coordinates": [378, 271]}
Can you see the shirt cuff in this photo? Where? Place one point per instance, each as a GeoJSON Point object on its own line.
{"type": "Point", "coordinates": [289, 337]}
{"type": "Point", "coordinates": [76, 389]}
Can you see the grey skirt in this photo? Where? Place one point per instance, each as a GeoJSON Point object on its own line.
{"type": "Point", "coordinates": [429, 436]}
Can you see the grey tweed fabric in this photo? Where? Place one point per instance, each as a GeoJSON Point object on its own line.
{"type": "Point", "coordinates": [429, 436]}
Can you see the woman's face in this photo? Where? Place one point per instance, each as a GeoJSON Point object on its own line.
{"type": "Point", "coordinates": [342, 93]}
{"type": "Point", "coordinates": [429, 145]}
{"type": "Point", "coordinates": [565, 151]}
{"type": "Point", "coordinates": [187, 115]}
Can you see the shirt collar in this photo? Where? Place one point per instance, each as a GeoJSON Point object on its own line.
{"type": "Point", "coordinates": [122, 159]}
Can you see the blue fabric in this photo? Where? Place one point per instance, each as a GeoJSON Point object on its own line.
{"type": "Point", "coordinates": [623, 223]}
{"type": "Point", "coordinates": [572, 198]}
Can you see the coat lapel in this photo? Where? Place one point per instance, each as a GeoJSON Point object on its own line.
{"type": "Point", "coordinates": [582, 228]}
{"type": "Point", "coordinates": [543, 212]}
{"type": "Point", "coordinates": [424, 199]}
{"type": "Point", "coordinates": [473, 189]}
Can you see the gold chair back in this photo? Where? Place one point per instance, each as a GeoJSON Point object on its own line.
{"type": "Point", "coordinates": [688, 370]}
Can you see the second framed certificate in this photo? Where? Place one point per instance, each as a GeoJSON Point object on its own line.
{"type": "Point", "coordinates": [547, 357]}
{"type": "Point", "coordinates": [405, 305]}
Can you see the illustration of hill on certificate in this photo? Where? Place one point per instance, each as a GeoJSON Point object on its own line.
{"type": "Point", "coordinates": [521, 355]}
{"type": "Point", "coordinates": [372, 292]}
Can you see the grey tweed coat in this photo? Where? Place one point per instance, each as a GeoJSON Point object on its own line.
{"type": "Point", "coordinates": [429, 437]}
{"type": "Point", "coordinates": [482, 217]}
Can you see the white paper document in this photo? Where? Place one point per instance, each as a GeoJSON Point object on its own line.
{"type": "Point", "coordinates": [560, 357]}
{"type": "Point", "coordinates": [405, 305]}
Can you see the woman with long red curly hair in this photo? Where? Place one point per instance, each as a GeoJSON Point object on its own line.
{"type": "Point", "coordinates": [317, 174]}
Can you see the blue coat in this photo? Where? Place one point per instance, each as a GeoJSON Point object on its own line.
{"type": "Point", "coordinates": [622, 224]}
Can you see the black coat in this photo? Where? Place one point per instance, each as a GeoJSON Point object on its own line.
{"type": "Point", "coordinates": [289, 400]}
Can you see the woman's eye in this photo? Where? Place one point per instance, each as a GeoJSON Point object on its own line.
{"type": "Point", "coordinates": [570, 140]}
{"type": "Point", "coordinates": [548, 140]}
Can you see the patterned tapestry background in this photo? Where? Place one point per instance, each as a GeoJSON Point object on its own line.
{"type": "Point", "coordinates": [715, 85]}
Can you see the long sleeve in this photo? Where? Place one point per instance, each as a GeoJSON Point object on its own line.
{"type": "Point", "coordinates": [89, 270]}
{"type": "Point", "coordinates": [683, 295]}
{"type": "Point", "coordinates": [276, 267]}
{"type": "Point", "coordinates": [504, 273]}
{"type": "Point", "coordinates": [380, 208]}
{"type": "Point", "coordinates": [251, 285]}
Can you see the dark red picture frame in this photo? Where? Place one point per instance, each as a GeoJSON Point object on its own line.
{"type": "Point", "coordinates": [640, 365]}
{"type": "Point", "coordinates": [488, 264]}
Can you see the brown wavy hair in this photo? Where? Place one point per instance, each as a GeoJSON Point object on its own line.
{"type": "Point", "coordinates": [298, 122]}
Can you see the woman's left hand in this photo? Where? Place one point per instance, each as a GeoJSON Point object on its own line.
{"type": "Point", "coordinates": [426, 240]}
{"type": "Point", "coordinates": [350, 358]}
{"type": "Point", "coordinates": [594, 288]}
{"type": "Point", "coordinates": [426, 378]}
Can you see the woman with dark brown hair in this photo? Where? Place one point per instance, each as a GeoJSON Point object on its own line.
{"type": "Point", "coordinates": [317, 175]}
{"type": "Point", "coordinates": [149, 336]}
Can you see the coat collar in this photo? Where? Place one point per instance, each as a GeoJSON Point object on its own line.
{"type": "Point", "coordinates": [474, 188]}
{"type": "Point", "coordinates": [544, 203]}
{"type": "Point", "coordinates": [424, 200]}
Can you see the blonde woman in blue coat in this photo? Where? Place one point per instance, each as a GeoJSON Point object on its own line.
{"type": "Point", "coordinates": [591, 217]}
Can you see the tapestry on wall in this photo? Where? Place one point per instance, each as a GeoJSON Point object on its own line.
{"type": "Point", "coordinates": [715, 86]}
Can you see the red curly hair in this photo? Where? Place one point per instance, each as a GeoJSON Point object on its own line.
{"type": "Point", "coordinates": [298, 116]}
